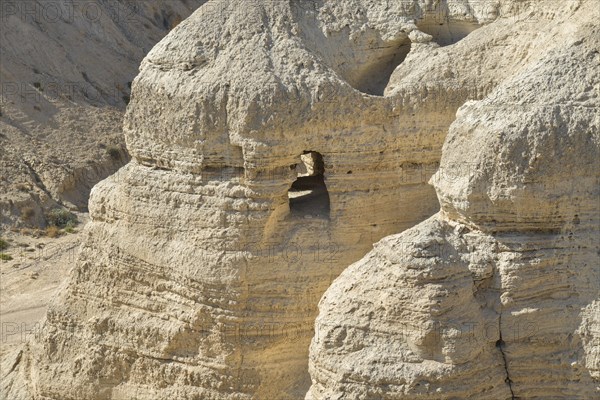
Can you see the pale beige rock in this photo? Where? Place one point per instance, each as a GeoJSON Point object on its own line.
{"type": "Point", "coordinates": [197, 280]}
{"type": "Point", "coordinates": [65, 76]}
{"type": "Point", "coordinates": [496, 296]}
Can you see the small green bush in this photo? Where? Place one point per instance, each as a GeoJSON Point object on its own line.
{"type": "Point", "coordinates": [70, 227]}
{"type": "Point", "coordinates": [5, 257]}
{"type": "Point", "coordinates": [60, 217]}
{"type": "Point", "coordinates": [3, 244]}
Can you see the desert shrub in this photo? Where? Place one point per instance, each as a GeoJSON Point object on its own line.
{"type": "Point", "coordinates": [126, 99]}
{"type": "Point", "coordinates": [60, 218]}
{"type": "Point", "coordinates": [38, 86]}
{"type": "Point", "coordinates": [52, 232]}
{"type": "Point", "coordinates": [70, 227]}
{"type": "Point", "coordinates": [3, 244]}
{"type": "Point", "coordinates": [5, 257]}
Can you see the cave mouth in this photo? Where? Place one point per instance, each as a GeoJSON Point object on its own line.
{"type": "Point", "coordinates": [373, 75]}
{"type": "Point", "coordinates": [448, 32]}
{"type": "Point", "coordinates": [308, 195]}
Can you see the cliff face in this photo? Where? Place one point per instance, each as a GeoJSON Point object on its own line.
{"type": "Point", "coordinates": [272, 143]}
{"type": "Point", "coordinates": [496, 296]}
{"type": "Point", "coordinates": [65, 80]}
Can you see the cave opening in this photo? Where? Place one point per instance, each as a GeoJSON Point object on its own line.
{"type": "Point", "coordinates": [308, 195]}
{"type": "Point", "coordinates": [444, 26]}
{"type": "Point", "coordinates": [373, 75]}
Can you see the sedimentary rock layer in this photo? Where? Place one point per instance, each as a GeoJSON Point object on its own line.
{"type": "Point", "coordinates": [496, 296]}
{"type": "Point", "coordinates": [199, 277]}
{"type": "Point", "coordinates": [65, 80]}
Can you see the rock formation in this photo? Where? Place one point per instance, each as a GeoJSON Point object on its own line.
{"type": "Point", "coordinates": [272, 143]}
{"type": "Point", "coordinates": [496, 296]}
{"type": "Point", "coordinates": [65, 75]}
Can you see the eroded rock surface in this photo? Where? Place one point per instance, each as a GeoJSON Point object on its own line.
{"type": "Point", "coordinates": [200, 274]}
{"type": "Point", "coordinates": [65, 79]}
{"type": "Point", "coordinates": [496, 296]}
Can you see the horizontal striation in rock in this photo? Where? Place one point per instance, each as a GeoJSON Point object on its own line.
{"type": "Point", "coordinates": [495, 296]}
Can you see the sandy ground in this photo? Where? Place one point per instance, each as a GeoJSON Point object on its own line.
{"type": "Point", "coordinates": [29, 281]}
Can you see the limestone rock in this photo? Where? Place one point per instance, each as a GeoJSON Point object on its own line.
{"type": "Point", "coordinates": [200, 274]}
{"type": "Point", "coordinates": [207, 254]}
{"type": "Point", "coordinates": [496, 296]}
{"type": "Point", "coordinates": [65, 80]}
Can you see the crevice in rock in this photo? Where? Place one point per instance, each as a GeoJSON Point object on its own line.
{"type": "Point", "coordinates": [448, 32]}
{"type": "Point", "coordinates": [38, 181]}
{"type": "Point", "coordinates": [373, 77]}
{"type": "Point", "coordinates": [446, 24]}
{"type": "Point", "coordinates": [500, 346]}
{"type": "Point", "coordinates": [16, 363]}
{"type": "Point", "coordinates": [75, 189]}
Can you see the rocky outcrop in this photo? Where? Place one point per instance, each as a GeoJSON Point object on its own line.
{"type": "Point", "coordinates": [496, 296]}
{"type": "Point", "coordinates": [201, 272]}
{"type": "Point", "coordinates": [65, 80]}
{"type": "Point", "coordinates": [272, 143]}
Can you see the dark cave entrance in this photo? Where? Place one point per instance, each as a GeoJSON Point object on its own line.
{"type": "Point", "coordinates": [308, 196]}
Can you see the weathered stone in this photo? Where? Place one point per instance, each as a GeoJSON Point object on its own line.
{"type": "Point", "coordinates": [207, 254]}
{"type": "Point", "coordinates": [496, 296]}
